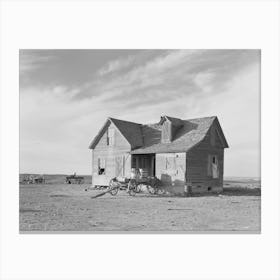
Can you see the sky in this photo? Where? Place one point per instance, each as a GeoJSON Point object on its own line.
{"type": "Point", "coordinates": [67, 95]}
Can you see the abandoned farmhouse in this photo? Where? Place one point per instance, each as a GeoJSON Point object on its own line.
{"type": "Point", "coordinates": [176, 151]}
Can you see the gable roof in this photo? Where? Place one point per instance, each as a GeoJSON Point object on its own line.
{"type": "Point", "coordinates": [191, 133]}
{"type": "Point", "coordinates": [129, 130]}
{"type": "Point", "coordinates": [145, 139]}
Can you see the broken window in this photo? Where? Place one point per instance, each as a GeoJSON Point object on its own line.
{"type": "Point", "coordinates": [213, 166]}
{"type": "Point", "coordinates": [110, 136]}
{"type": "Point", "coordinates": [101, 166]}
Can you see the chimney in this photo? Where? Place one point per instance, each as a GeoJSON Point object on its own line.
{"type": "Point", "coordinates": [166, 131]}
{"type": "Point", "coordinates": [169, 128]}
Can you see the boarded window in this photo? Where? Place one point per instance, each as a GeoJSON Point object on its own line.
{"type": "Point", "coordinates": [213, 166]}
{"type": "Point", "coordinates": [111, 136]}
{"type": "Point", "coordinates": [101, 166]}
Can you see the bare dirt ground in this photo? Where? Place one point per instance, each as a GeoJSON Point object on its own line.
{"type": "Point", "coordinates": [62, 207]}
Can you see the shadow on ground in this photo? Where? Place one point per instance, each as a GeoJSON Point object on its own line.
{"type": "Point", "coordinates": [241, 191]}
{"type": "Point", "coordinates": [229, 191]}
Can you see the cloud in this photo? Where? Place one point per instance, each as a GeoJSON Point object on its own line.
{"type": "Point", "coordinates": [55, 132]}
{"type": "Point", "coordinates": [116, 65]}
{"type": "Point", "coordinates": [31, 60]}
{"type": "Point", "coordinates": [170, 75]}
{"type": "Point", "coordinates": [204, 81]}
{"type": "Point", "coordinates": [58, 121]}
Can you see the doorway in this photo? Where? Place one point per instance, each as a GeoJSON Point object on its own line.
{"type": "Point", "coordinates": [145, 161]}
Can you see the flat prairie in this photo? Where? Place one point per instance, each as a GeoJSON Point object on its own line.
{"type": "Point", "coordinates": [59, 207]}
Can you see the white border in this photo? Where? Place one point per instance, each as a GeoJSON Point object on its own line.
{"type": "Point", "coordinates": [190, 24]}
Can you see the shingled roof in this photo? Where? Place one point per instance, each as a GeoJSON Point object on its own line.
{"type": "Point", "coordinates": [146, 138]}
{"type": "Point", "coordinates": [191, 133]}
{"type": "Point", "coordinates": [130, 131]}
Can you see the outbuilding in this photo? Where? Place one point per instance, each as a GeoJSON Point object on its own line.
{"type": "Point", "coordinates": [178, 152]}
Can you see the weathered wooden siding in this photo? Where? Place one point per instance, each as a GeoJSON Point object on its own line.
{"type": "Point", "coordinates": [192, 167]}
{"type": "Point", "coordinates": [197, 164]}
{"type": "Point", "coordinates": [171, 170]}
{"type": "Point", "coordinates": [113, 156]}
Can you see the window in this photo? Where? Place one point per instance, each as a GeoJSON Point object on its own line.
{"type": "Point", "coordinates": [214, 159]}
{"type": "Point", "coordinates": [101, 166]}
{"type": "Point", "coordinates": [110, 136]}
{"type": "Point", "coordinates": [213, 166]}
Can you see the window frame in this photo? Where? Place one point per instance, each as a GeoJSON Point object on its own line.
{"type": "Point", "coordinates": [99, 164]}
{"type": "Point", "coordinates": [209, 165]}
{"type": "Point", "coordinates": [111, 136]}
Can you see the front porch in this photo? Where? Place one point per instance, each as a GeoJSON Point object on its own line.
{"type": "Point", "coordinates": [145, 161]}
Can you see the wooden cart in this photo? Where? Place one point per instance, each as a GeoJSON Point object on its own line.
{"type": "Point", "coordinates": [133, 186]}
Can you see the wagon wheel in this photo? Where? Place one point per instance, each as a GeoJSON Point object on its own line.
{"type": "Point", "coordinates": [137, 188]}
{"type": "Point", "coordinates": [161, 191]}
{"type": "Point", "coordinates": [152, 189]}
{"type": "Point", "coordinates": [113, 187]}
{"type": "Point", "coordinates": [132, 188]}
{"type": "Point", "coordinates": [132, 192]}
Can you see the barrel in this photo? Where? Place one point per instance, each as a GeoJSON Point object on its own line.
{"type": "Point", "coordinates": [143, 173]}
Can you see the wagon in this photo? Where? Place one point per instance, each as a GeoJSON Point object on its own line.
{"type": "Point", "coordinates": [39, 180]}
{"type": "Point", "coordinates": [74, 179]}
{"type": "Point", "coordinates": [133, 185]}
{"type": "Point", "coordinates": [31, 179]}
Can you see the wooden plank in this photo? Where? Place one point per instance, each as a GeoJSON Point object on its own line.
{"type": "Point", "coordinates": [171, 168]}
{"type": "Point", "coordinates": [198, 162]}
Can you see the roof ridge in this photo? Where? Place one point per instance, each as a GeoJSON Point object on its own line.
{"type": "Point", "coordinates": [210, 117]}
{"type": "Point", "coordinates": [110, 118]}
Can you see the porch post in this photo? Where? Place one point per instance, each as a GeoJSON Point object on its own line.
{"type": "Point", "coordinates": [152, 166]}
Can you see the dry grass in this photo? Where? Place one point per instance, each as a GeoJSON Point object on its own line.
{"type": "Point", "coordinates": [61, 207]}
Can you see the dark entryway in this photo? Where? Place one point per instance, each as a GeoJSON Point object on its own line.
{"type": "Point", "coordinates": [146, 161]}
